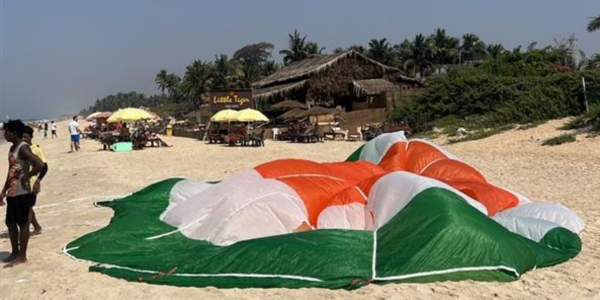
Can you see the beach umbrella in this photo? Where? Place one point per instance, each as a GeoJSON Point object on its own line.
{"type": "Point", "coordinates": [250, 115]}
{"type": "Point", "coordinates": [291, 114]}
{"type": "Point", "coordinates": [288, 104]}
{"type": "Point", "coordinates": [129, 114]}
{"type": "Point", "coordinates": [93, 116]}
{"type": "Point", "coordinates": [226, 115]}
{"type": "Point", "coordinates": [104, 115]}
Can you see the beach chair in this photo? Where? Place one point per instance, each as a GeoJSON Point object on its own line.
{"type": "Point", "coordinates": [276, 133]}
{"type": "Point", "coordinates": [355, 137]}
{"type": "Point", "coordinates": [258, 139]}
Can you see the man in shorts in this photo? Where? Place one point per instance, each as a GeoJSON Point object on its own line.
{"type": "Point", "coordinates": [53, 127]}
{"type": "Point", "coordinates": [35, 180]}
{"type": "Point", "coordinates": [22, 164]}
{"type": "Point", "coordinates": [75, 134]}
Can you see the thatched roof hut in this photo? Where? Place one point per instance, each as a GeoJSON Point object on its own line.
{"type": "Point", "coordinates": [373, 87]}
{"type": "Point", "coordinates": [326, 80]}
{"type": "Point", "coordinates": [288, 104]}
{"type": "Point", "coordinates": [291, 114]}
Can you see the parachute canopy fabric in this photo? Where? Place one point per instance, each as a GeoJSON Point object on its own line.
{"type": "Point", "coordinates": [397, 210]}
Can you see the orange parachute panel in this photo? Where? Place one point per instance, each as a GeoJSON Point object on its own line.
{"type": "Point", "coordinates": [493, 198]}
{"type": "Point", "coordinates": [288, 167]}
{"type": "Point", "coordinates": [317, 192]}
{"type": "Point", "coordinates": [366, 185]}
{"type": "Point", "coordinates": [449, 169]}
{"type": "Point", "coordinates": [395, 157]}
{"type": "Point", "coordinates": [420, 155]}
{"type": "Point", "coordinates": [349, 195]}
{"type": "Point", "coordinates": [354, 172]}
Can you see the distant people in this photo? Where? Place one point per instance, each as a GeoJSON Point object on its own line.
{"type": "Point", "coordinates": [22, 165]}
{"type": "Point", "coordinates": [35, 180]}
{"type": "Point", "coordinates": [45, 130]}
{"type": "Point", "coordinates": [53, 127]}
{"type": "Point", "coordinates": [75, 134]}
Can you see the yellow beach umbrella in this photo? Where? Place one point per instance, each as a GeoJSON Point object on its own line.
{"type": "Point", "coordinates": [250, 115]}
{"type": "Point", "coordinates": [129, 114]}
{"type": "Point", "coordinates": [226, 115]}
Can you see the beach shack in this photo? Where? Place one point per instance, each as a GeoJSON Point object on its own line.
{"type": "Point", "coordinates": [347, 80]}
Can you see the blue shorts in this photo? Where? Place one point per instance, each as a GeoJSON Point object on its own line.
{"type": "Point", "coordinates": [75, 138]}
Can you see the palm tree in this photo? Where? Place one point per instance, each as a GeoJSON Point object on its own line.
{"type": "Point", "coordinates": [594, 62]}
{"type": "Point", "coordinates": [313, 50]}
{"type": "Point", "coordinates": [197, 80]}
{"type": "Point", "coordinates": [296, 48]}
{"type": "Point", "coordinates": [443, 48]}
{"type": "Point", "coordinates": [594, 24]}
{"type": "Point", "coordinates": [173, 85]}
{"type": "Point", "coordinates": [418, 57]}
{"type": "Point", "coordinates": [358, 48]}
{"type": "Point", "coordinates": [161, 80]}
{"type": "Point", "coordinates": [381, 51]}
{"type": "Point", "coordinates": [495, 50]}
{"type": "Point", "coordinates": [472, 46]}
{"type": "Point", "coordinates": [224, 73]}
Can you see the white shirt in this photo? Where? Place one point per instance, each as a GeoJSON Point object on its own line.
{"type": "Point", "coordinates": [73, 127]}
{"type": "Point", "coordinates": [53, 126]}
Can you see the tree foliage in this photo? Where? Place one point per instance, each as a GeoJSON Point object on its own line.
{"type": "Point", "coordinates": [517, 87]}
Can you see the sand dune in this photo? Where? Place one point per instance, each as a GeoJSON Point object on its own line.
{"type": "Point", "coordinates": [567, 174]}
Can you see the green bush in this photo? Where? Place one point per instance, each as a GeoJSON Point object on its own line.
{"type": "Point", "coordinates": [502, 91]}
{"type": "Point", "coordinates": [590, 119]}
{"type": "Point", "coordinates": [561, 139]}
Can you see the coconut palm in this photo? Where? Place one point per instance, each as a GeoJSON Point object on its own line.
{"type": "Point", "coordinates": [313, 50]}
{"type": "Point", "coordinates": [381, 51]}
{"type": "Point", "coordinates": [225, 74]}
{"type": "Point", "coordinates": [173, 84]}
{"type": "Point", "coordinates": [472, 48]}
{"type": "Point", "coordinates": [358, 48]}
{"type": "Point", "coordinates": [196, 81]}
{"type": "Point", "coordinates": [161, 80]}
{"type": "Point", "coordinates": [444, 48]}
{"type": "Point", "coordinates": [594, 24]}
{"type": "Point", "coordinates": [495, 50]}
{"type": "Point", "coordinates": [296, 48]}
{"type": "Point", "coordinates": [419, 57]}
{"type": "Point", "coordinates": [594, 62]}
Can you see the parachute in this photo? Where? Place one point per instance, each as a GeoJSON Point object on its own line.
{"type": "Point", "coordinates": [396, 210]}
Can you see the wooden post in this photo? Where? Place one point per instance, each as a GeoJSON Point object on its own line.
{"type": "Point", "coordinates": [587, 108]}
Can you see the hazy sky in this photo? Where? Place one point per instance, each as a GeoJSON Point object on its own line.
{"type": "Point", "coordinates": [60, 56]}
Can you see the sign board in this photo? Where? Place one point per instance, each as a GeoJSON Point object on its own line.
{"type": "Point", "coordinates": [232, 99]}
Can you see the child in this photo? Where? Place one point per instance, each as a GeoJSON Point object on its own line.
{"type": "Point", "coordinates": [17, 190]}
{"type": "Point", "coordinates": [35, 180]}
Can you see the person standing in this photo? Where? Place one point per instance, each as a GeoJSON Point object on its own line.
{"type": "Point", "coordinates": [53, 127]}
{"type": "Point", "coordinates": [17, 190]}
{"type": "Point", "coordinates": [35, 180]}
{"type": "Point", "coordinates": [75, 134]}
{"type": "Point", "coordinates": [45, 130]}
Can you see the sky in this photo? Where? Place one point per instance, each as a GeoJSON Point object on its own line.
{"type": "Point", "coordinates": [57, 57]}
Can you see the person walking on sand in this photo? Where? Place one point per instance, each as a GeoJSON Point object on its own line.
{"type": "Point", "coordinates": [45, 130]}
{"type": "Point", "coordinates": [75, 134]}
{"type": "Point", "coordinates": [17, 190]}
{"type": "Point", "coordinates": [35, 180]}
{"type": "Point", "coordinates": [53, 127]}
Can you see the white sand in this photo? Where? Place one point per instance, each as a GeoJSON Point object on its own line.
{"type": "Point", "coordinates": [567, 174]}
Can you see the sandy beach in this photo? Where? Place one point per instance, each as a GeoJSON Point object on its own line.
{"type": "Point", "coordinates": [568, 174]}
